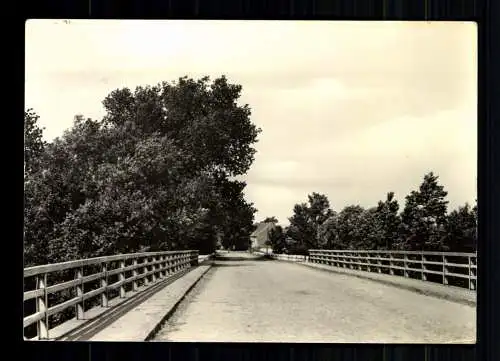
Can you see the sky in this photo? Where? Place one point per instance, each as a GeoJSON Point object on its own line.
{"type": "Point", "coordinates": [352, 110]}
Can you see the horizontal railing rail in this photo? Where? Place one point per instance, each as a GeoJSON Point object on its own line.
{"type": "Point", "coordinates": [129, 269]}
{"type": "Point", "coordinates": [290, 257]}
{"type": "Point", "coordinates": [441, 267]}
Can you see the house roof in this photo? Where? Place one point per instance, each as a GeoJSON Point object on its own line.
{"type": "Point", "coordinates": [261, 228]}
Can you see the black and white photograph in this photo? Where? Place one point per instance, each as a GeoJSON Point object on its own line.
{"type": "Point", "coordinates": [250, 181]}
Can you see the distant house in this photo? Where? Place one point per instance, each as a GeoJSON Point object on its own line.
{"type": "Point", "coordinates": [259, 237]}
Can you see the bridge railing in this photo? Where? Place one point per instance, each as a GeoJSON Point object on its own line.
{"type": "Point", "coordinates": [448, 268]}
{"type": "Point", "coordinates": [105, 277]}
{"type": "Point", "coordinates": [290, 257]}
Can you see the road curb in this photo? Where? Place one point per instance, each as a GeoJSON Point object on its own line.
{"type": "Point", "coordinates": [94, 325]}
{"type": "Point", "coordinates": [172, 309]}
{"type": "Point", "coordinates": [394, 283]}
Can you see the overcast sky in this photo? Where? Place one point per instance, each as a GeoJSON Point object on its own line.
{"type": "Point", "coordinates": [349, 109]}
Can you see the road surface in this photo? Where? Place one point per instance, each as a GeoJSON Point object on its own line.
{"type": "Point", "coordinates": [242, 299]}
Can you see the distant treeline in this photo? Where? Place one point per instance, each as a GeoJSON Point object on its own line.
{"type": "Point", "coordinates": [423, 224]}
{"type": "Point", "coordinates": [156, 173]}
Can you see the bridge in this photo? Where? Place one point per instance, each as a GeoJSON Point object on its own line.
{"type": "Point", "coordinates": [327, 296]}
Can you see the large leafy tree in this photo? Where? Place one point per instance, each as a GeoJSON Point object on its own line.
{"type": "Point", "coordinates": [277, 238]}
{"type": "Point", "coordinates": [34, 148]}
{"type": "Point", "coordinates": [34, 145]}
{"type": "Point", "coordinates": [234, 215]}
{"type": "Point", "coordinates": [387, 222]}
{"type": "Point", "coordinates": [351, 227]}
{"type": "Point", "coordinates": [461, 230]}
{"type": "Point", "coordinates": [300, 229]}
{"type": "Point", "coordinates": [328, 233]}
{"type": "Point", "coordinates": [306, 222]}
{"type": "Point", "coordinates": [155, 173]}
{"type": "Point", "coordinates": [424, 217]}
{"type": "Point", "coordinates": [202, 118]}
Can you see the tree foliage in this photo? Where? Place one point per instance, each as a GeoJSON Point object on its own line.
{"type": "Point", "coordinates": [423, 224]}
{"type": "Point", "coordinates": [155, 174]}
{"type": "Point", "coordinates": [34, 144]}
{"type": "Point", "coordinates": [277, 239]}
{"type": "Point", "coordinates": [424, 217]}
{"type": "Point", "coordinates": [307, 219]}
{"type": "Point", "coordinates": [461, 229]}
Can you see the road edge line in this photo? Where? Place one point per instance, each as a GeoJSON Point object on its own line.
{"type": "Point", "coordinates": [151, 334]}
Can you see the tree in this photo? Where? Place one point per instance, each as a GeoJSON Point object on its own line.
{"type": "Point", "coordinates": [388, 220]}
{"type": "Point", "coordinates": [328, 233]}
{"type": "Point", "coordinates": [424, 217]}
{"type": "Point", "coordinates": [270, 220]}
{"type": "Point", "coordinates": [305, 224]}
{"type": "Point", "coordinates": [203, 119]}
{"type": "Point", "coordinates": [277, 238]}
{"type": "Point", "coordinates": [301, 228]}
{"type": "Point", "coordinates": [153, 175]}
{"type": "Point", "coordinates": [461, 230]}
{"type": "Point", "coordinates": [34, 145]}
{"type": "Point", "coordinates": [237, 215]}
{"type": "Point", "coordinates": [349, 228]}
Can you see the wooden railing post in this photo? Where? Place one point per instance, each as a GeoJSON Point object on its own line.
{"type": "Point", "coordinates": [391, 264]}
{"type": "Point", "coordinates": [79, 293]}
{"type": "Point", "coordinates": [368, 261]}
{"type": "Point", "coordinates": [41, 306]}
{"type": "Point", "coordinates": [135, 273]}
{"type": "Point", "coordinates": [145, 269]}
{"type": "Point", "coordinates": [104, 283]}
{"type": "Point", "coordinates": [162, 267]}
{"type": "Point", "coordinates": [153, 268]}
{"type": "Point", "coordinates": [169, 264]}
{"type": "Point", "coordinates": [472, 285]}
{"type": "Point", "coordinates": [445, 270]}
{"type": "Point", "coordinates": [122, 279]}
{"type": "Point", "coordinates": [424, 268]}
{"type": "Point", "coordinates": [379, 263]}
{"type": "Point", "coordinates": [405, 261]}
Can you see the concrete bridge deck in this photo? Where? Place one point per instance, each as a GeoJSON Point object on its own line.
{"type": "Point", "coordinates": [244, 298]}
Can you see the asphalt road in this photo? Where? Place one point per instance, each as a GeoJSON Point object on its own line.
{"type": "Point", "coordinates": [248, 300]}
